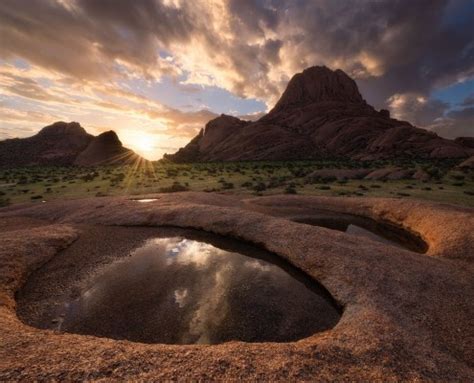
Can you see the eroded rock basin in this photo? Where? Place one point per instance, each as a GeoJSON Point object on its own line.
{"type": "Point", "coordinates": [176, 287]}
{"type": "Point", "coordinates": [382, 232]}
{"type": "Point", "coordinates": [407, 316]}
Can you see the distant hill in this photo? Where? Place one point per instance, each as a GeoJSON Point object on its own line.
{"type": "Point", "coordinates": [321, 114]}
{"type": "Point", "coordinates": [106, 149]}
{"type": "Point", "coordinates": [65, 143]}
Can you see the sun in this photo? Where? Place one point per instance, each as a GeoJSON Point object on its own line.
{"type": "Point", "coordinates": [143, 143]}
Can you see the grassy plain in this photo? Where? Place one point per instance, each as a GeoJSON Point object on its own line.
{"type": "Point", "coordinates": [30, 184]}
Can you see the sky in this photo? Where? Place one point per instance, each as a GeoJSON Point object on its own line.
{"type": "Point", "coordinates": [156, 71]}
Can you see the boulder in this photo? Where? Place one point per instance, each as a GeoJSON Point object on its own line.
{"type": "Point", "coordinates": [339, 174]}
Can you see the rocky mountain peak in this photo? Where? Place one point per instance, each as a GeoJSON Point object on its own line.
{"type": "Point", "coordinates": [223, 120]}
{"type": "Point", "coordinates": [62, 128]}
{"type": "Point", "coordinates": [321, 114]}
{"type": "Point", "coordinates": [319, 84]}
{"type": "Point", "coordinates": [109, 138]}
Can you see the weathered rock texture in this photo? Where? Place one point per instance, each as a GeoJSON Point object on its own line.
{"type": "Point", "coordinates": [65, 144]}
{"type": "Point", "coordinates": [321, 114]}
{"type": "Point", "coordinates": [407, 316]}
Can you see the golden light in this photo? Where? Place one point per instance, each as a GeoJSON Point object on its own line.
{"type": "Point", "coordinates": [142, 143]}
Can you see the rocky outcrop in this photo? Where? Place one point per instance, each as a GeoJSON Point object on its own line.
{"type": "Point", "coordinates": [65, 144]}
{"type": "Point", "coordinates": [339, 174]}
{"type": "Point", "coordinates": [56, 144]}
{"type": "Point", "coordinates": [465, 141]}
{"type": "Point", "coordinates": [106, 149]}
{"type": "Point", "coordinates": [321, 114]}
{"type": "Point", "coordinates": [468, 164]}
{"type": "Point", "coordinates": [319, 84]}
{"type": "Point", "coordinates": [391, 173]}
{"type": "Point", "coordinates": [407, 316]}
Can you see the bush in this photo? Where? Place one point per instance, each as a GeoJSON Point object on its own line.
{"type": "Point", "coordinates": [259, 187]}
{"type": "Point", "coordinates": [290, 189]}
{"type": "Point", "coordinates": [176, 187]}
{"type": "Point", "coordinates": [458, 177]}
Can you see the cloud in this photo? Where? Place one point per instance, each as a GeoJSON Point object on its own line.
{"type": "Point", "coordinates": [457, 123]}
{"type": "Point", "coordinates": [468, 101]}
{"type": "Point", "coordinates": [434, 115]}
{"type": "Point", "coordinates": [398, 53]}
{"type": "Point", "coordinates": [248, 47]}
{"type": "Point", "coordinates": [416, 108]}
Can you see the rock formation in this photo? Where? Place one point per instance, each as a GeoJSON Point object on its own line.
{"type": "Point", "coordinates": [106, 149]}
{"type": "Point", "coordinates": [468, 164]}
{"type": "Point", "coordinates": [321, 114]}
{"type": "Point", "coordinates": [58, 144]}
{"type": "Point", "coordinates": [65, 144]}
{"type": "Point", "coordinates": [465, 141]}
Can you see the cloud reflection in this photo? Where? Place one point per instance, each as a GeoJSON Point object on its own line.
{"type": "Point", "coordinates": [178, 290]}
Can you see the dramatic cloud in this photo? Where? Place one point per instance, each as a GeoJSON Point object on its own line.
{"type": "Point", "coordinates": [456, 123]}
{"type": "Point", "coordinates": [468, 101]}
{"type": "Point", "coordinates": [92, 54]}
{"type": "Point", "coordinates": [416, 108]}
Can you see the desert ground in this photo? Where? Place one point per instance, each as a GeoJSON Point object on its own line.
{"type": "Point", "coordinates": [405, 315]}
{"type": "Point", "coordinates": [440, 181]}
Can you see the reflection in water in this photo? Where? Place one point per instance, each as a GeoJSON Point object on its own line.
{"type": "Point", "coordinates": [145, 200]}
{"type": "Point", "coordinates": [177, 290]}
{"type": "Point", "coordinates": [361, 232]}
{"type": "Point", "coordinates": [385, 233]}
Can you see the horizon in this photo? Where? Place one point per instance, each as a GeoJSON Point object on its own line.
{"type": "Point", "coordinates": [155, 74]}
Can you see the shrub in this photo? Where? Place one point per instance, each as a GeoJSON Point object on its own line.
{"type": "Point", "coordinates": [259, 187]}
{"type": "Point", "coordinates": [458, 177]}
{"type": "Point", "coordinates": [290, 189]}
{"type": "Point", "coordinates": [176, 187]}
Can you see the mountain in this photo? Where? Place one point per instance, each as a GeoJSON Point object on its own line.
{"type": "Point", "coordinates": [321, 114]}
{"type": "Point", "coordinates": [64, 144]}
{"type": "Point", "coordinates": [106, 149]}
